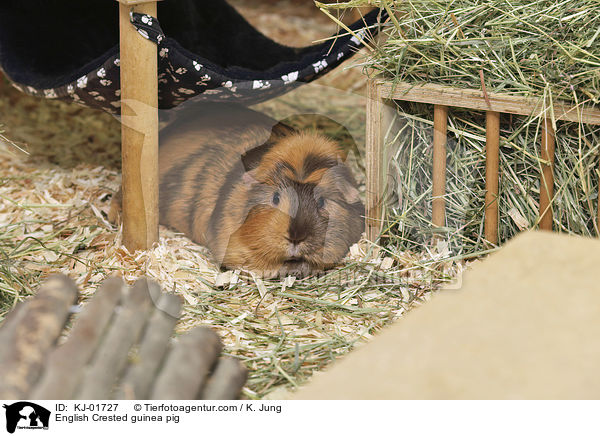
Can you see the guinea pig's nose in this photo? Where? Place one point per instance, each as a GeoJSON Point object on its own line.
{"type": "Point", "coordinates": [297, 234]}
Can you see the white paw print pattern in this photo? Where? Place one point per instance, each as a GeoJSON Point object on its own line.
{"type": "Point", "coordinates": [49, 93]}
{"type": "Point", "coordinates": [320, 65]}
{"type": "Point", "coordinates": [163, 52]}
{"type": "Point", "coordinates": [101, 73]}
{"type": "Point", "coordinates": [340, 55]}
{"type": "Point", "coordinates": [289, 78]}
{"type": "Point", "coordinates": [356, 39]}
{"type": "Point", "coordinates": [197, 66]}
{"type": "Point", "coordinates": [117, 62]}
{"type": "Point", "coordinates": [143, 33]}
{"type": "Point", "coordinates": [261, 84]}
{"type": "Point", "coordinates": [82, 82]}
{"type": "Point", "coordinates": [70, 89]}
{"type": "Point", "coordinates": [105, 82]}
{"type": "Point", "coordinates": [181, 70]}
{"type": "Point", "coordinates": [147, 19]}
{"type": "Point", "coordinates": [229, 85]}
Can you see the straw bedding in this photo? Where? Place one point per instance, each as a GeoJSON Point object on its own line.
{"type": "Point", "coordinates": [53, 206]}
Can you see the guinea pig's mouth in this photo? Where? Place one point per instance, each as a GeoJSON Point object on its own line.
{"type": "Point", "coordinates": [296, 260]}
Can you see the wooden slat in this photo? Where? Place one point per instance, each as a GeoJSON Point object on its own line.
{"type": "Point", "coordinates": [111, 357]}
{"type": "Point", "coordinates": [139, 150]}
{"type": "Point", "coordinates": [143, 370]}
{"type": "Point", "coordinates": [492, 158]}
{"type": "Point", "coordinates": [440, 138]}
{"type": "Point", "coordinates": [475, 99]}
{"type": "Point", "coordinates": [187, 366]}
{"type": "Point", "coordinates": [226, 381]}
{"type": "Point", "coordinates": [66, 363]}
{"type": "Point", "coordinates": [39, 326]}
{"type": "Point", "coordinates": [547, 178]}
{"type": "Point", "coordinates": [374, 163]}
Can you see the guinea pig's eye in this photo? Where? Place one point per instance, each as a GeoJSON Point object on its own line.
{"type": "Point", "coordinates": [320, 202]}
{"type": "Point", "coordinates": [275, 199]}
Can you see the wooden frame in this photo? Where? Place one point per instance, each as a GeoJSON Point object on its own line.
{"type": "Point", "coordinates": [139, 137]}
{"type": "Point", "coordinates": [494, 105]}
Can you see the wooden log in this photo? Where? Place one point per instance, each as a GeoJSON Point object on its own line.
{"type": "Point", "coordinates": [475, 99]}
{"type": "Point", "coordinates": [226, 381]}
{"type": "Point", "coordinates": [374, 163]}
{"type": "Point", "coordinates": [440, 138]}
{"type": "Point", "coordinates": [187, 366]}
{"type": "Point", "coordinates": [9, 326]}
{"type": "Point", "coordinates": [143, 370]}
{"type": "Point", "coordinates": [547, 179]}
{"type": "Point", "coordinates": [111, 356]}
{"type": "Point", "coordinates": [37, 330]}
{"type": "Point", "coordinates": [139, 150]}
{"type": "Point", "coordinates": [66, 363]}
{"type": "Point", "coordinates": [492, 163]}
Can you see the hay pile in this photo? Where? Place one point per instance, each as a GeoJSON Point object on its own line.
{"type": "Point", "coordinates": [544, 49]}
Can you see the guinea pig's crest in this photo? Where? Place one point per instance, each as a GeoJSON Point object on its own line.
{"type": "Point", "coordinates": [303, 210]}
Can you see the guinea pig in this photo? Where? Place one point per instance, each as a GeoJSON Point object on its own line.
{"type": "Point", "coordinates": [259, 194]}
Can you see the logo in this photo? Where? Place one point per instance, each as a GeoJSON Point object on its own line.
{"type": "Point", "coordinates": [26, 415]}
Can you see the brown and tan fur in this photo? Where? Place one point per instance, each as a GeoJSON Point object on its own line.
{"type": "Point", "coordinates": [258, 194]}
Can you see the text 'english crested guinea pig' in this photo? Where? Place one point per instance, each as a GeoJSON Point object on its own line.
{"type": "Point", "coordinates": [259, 194]}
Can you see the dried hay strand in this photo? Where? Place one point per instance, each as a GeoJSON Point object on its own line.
{"type": "Point", "coordinates": [543, 49]}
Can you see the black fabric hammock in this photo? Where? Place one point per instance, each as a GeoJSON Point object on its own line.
{"type": "Point", "coordinates": [70, 50]}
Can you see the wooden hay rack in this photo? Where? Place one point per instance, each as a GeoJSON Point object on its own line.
{"type": "Point", "coordinates": [119, 347]}
{"type": "Point", "coordinates": [443, 97]}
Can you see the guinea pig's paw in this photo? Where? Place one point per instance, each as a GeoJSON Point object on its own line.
{"type": "Point", "coordinates": [298, 269]}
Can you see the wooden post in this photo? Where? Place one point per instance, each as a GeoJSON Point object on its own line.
{"type": "Point", "coordinates": [598, 220]}
{"type": "Point", "coordinates": [66, 363]}
{"type": "Point", "coordinates": [227, 380]}
{"type": "Point", "coordinates": [492, 158]}
{"type": "Point", "coordinates": [186, 368]}
{"type": "Point", "coordinates": [110, 358]}
{"type": "Point", "coordinates": [374, 162]}
{"type": "Point", "coordinates": [139, 147]}
{"type": "Point", "coordinates": [440, 137]}
{"type": "Point", "coordinates": [547, 179]}
{"type": "Point", "coordinates": [32, 335]}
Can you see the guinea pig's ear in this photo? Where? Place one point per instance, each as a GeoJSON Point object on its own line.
{"type": "Point", "coordinates": [349, 191]}
{"type": "Point", "coordinates": [342, 178]}
{"type": "Point", "coordinates": [248, 178]}
{"type": "Point", "coordinates": [252, 158]}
